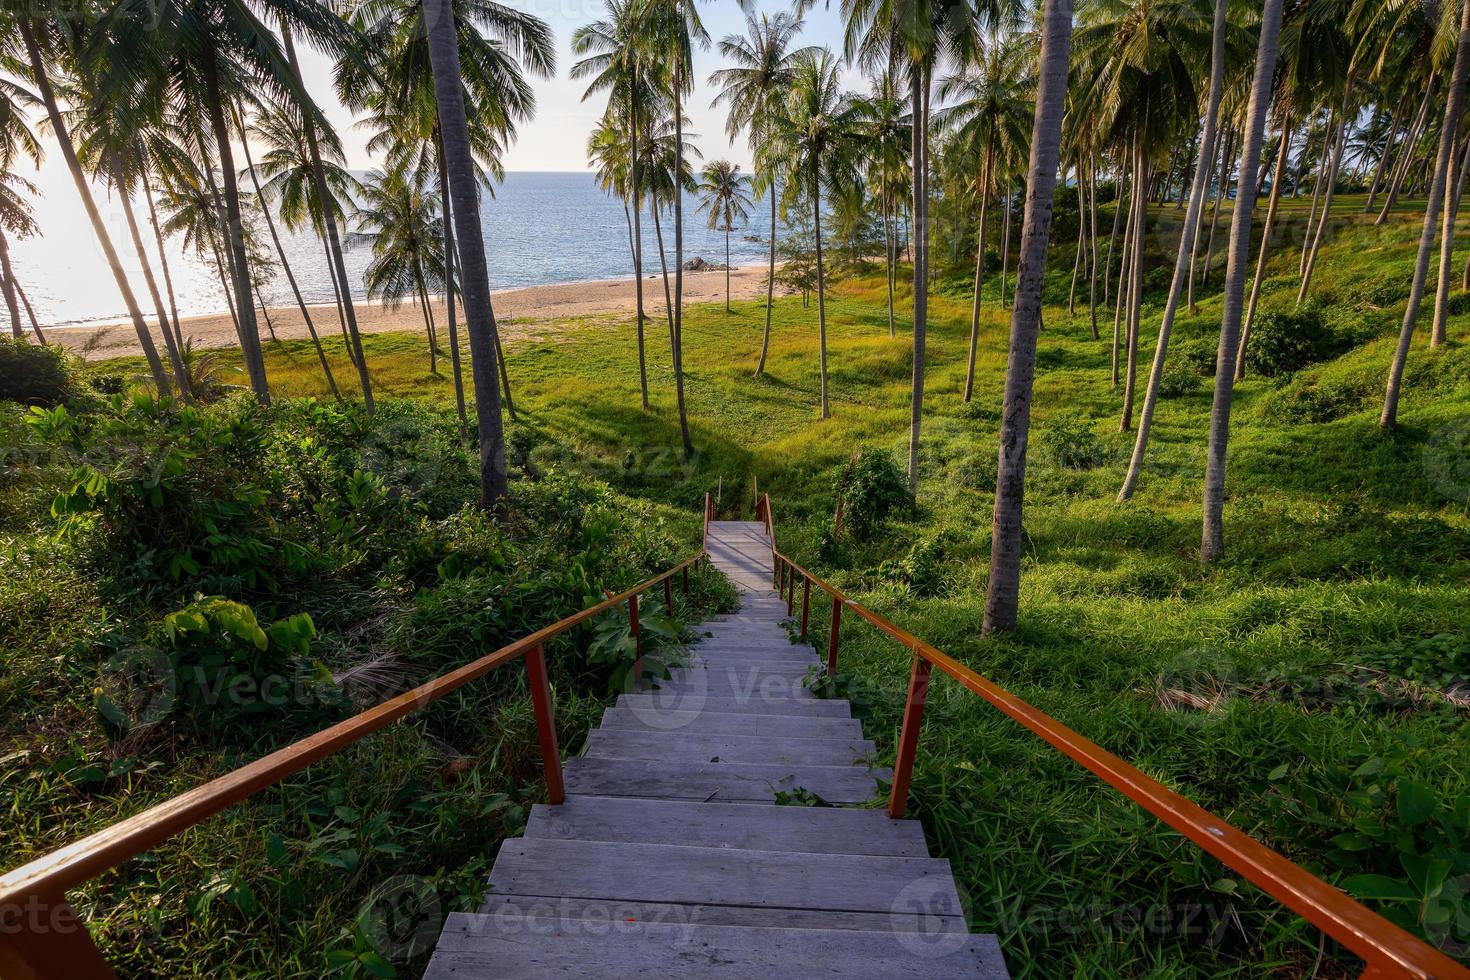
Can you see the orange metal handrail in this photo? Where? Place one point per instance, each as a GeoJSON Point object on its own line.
{"type": "Point", "coordinates": [59, 947]}
{"type": "Point", "coordinates": [1386, 949]}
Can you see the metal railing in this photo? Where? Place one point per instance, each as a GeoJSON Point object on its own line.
{"type": "Point", "coordinates": [41, 936]}
{"type": "Point", "coordinates": [1386, 949]}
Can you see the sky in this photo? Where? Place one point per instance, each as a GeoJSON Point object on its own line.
{"type": "Point", "coordinates": [556, 139]}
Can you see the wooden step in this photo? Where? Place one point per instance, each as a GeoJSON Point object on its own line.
{"type": "Point", "coordinates": [756, 704]}
{"type": "Point", "coordinates": [484, 946]}
{"type": "Point", "coordinates": [623, 743]}
{"type": "Point", "coordinates": [717, 723]}
{"type": "Point", "coordinates": [730, 782]}
{"type": "Point", "coordinates": [715, 876]}
{"type": "Point", "coordinates": [739, 682]}
{"type": "Point", "coordinates": [819, 830]}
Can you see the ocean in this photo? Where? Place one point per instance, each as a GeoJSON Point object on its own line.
{"type": "Point", "coordinates": [539, 228]}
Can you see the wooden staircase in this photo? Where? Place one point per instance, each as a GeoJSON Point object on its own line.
{"type": "Point", "coordinates": [670, 855]}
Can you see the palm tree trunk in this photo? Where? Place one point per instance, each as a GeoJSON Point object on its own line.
{"type": "Point", "coordinates": [1135, 288]}
{"type": "Point", "coordinates": [1002, 596]}
{"type": "Point", "coordinates": [760, 364]}
{"type": "Point", "coordinates": [1331, 167]}
{"type": "Point", "coordinates": [821, 291]}
{"type": "Point", "coordinates": [422, 289]}
{"type": "Point", "coordinates": [222, 268]}
{"type": "Point", "coordinates": [475, 281]}
{"type": "Point", "coordinates": [636, 169]}
{"type": "Point", "coordinates": [30, 312]}
{"type": "Point", "coordinates": [337, 298]}
{"type": "Point", "coordinates": [69, 154]}
{"type": "Point", "coordinates": [7, 286]}
{"type": "Point", "coordinates": [1081, 241]}
{"type": "Point", "coordinates": [234, 227]}
{"type": "Point", "coordinates": [1406, 153]}
{"type": "Point", "coordinates": [979, 270]}
{"type": "Point", "coordinates": [1187, 236]}
{"type": "Point", "coordinates": [679, 69]}
{"type": "Point", "coordinates": [1222, 190]}
{"type": "Point", "coordinates": [1328, 139]}
{"type": "Point", "coordinates": [1125, 269]}
{"type": "Point", "coordinates": [175, 359]}
{"type": "Point", "coordinates": [1005, 247]}
{"type": "Point", "coordinates": [663, 261]}
{"type": "Point", "coordinates": [1092, 259]}
{"type": "Point", "coordinates": [1388, 145]}
{"type": "Point", "coordinates": [450, 251]}
{"type": "Point", "coordinates": [1212, 542]}
{"type": "Point", "coordinates": [265, 313]}
{"type": "Point", "coordinates": [888, 247]}
{"type": "Point", "coordinates": [1282, 154]}
{"type": "Point", "coordinates": [329, 221]}
{"type": "Point", "coordinates": [270, 223]}
{"type": "Point", "coordinates": [168, 279]}
{"type": "Point", "coordinates": [1448, 138]}
{"type": "Point", "coordinates": [1120, 189]}
{"type": "Point", "coordinates": [1454, 187]}
{"type": "Point", "coordinates": [727, 268]}
{"type": "Point", "coordinates": [919, 86]}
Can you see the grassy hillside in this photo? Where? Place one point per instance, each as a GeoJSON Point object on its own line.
{"type": "Point", "coordinates": [1310, 688]}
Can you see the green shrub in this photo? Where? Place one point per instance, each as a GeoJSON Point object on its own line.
{"type": "Point", "coordinates": [871, 489]}
{"type": "Point", "coordinates": [1288, 340]}
{"type": "Point", "coordinates": [34, 374]}
{"type": "Point", "coordinates": [976, 471]}
{"type": "Point", "coordinates": [1069, 442]}
{"type": "Point", "coordinates": [1179, 379]}
{"type": "Point", "coordinates": [1198, 356]}
{"type": "Point", "coordinates": [919, 571]}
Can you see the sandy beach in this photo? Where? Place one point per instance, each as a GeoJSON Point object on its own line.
{"type": "Point", "coordinates": [522, 313]}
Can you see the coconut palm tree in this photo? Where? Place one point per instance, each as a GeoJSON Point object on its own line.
{"type": "Point", "coordinates": [1448, 140]}
{"type": "Point", "coordinates": [1186, 248]}
{"type": "Point", "coordinates": [17, 219]}
{"type": "Point", "coordinates": [1002, 596]}
{"type": "Point", "coordinates": [43, 46]}
{"type": "Point", "coordinates": [459, 163]}
{"type": "Point", "coordinates": [886, 132]}
{"type": "Point", "coordinates": [753, 89]}
{"type": "Point", "coordinates": [1212, 544]}
{"type": "Point", "coordinates": [725, 194]}
{"type": "Point", "coordinates": [401, 221]}
{"type": "Point", "coordinates": [990, 106]}
{"type": "Point", "coordinates": [818, 133]}
{"type": "Point", "coordinates": [616, 59]}
{"type": "Point", "coordinates": [675, 29]}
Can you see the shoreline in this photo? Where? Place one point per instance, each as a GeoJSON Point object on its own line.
{"type": "Point", "coordinates": [518, 312]}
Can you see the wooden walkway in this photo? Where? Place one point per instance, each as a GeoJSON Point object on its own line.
{"type": "Point", "coordinates": [670, 855]}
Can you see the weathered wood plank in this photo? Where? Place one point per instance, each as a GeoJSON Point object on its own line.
{"type": "Point", "coordinates": [737, 681]}
{"type": "Point", "coordinates": [479, 946]}
{"type": "Point", "coordinates": [756, 703]}
{"type": "Point", "coordinates": [724, 781]}
{"type": "Point", "coordinates": [630, 872]}
{"type": "Point", "coordinates": [822, 830]}
{"type": "Point", "coordinates": [540, 912]}
{"type": "Point", "coordinates": [615, 743]}
{"type": "Point", "coordinates": [718, 723]}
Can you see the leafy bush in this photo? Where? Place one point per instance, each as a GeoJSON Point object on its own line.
{"type": "Point", "coordinates": [976, 471]}
{"type": "Point", "coordinates": [1288, 340]}
{"type": "Point", "coordinates": [1069, 442]}
{"type": "Point", "coordinates": [871, 489]}
{"type": "Point", "coordinates": [919, 571]}
{"type": "Point", "coordinates": [1198, 356]}
{"type": "Point", "coordinates": [35, 374]}
{"type": "Point", "coordinates": [1179, 379]}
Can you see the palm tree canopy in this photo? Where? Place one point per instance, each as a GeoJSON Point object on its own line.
{"type": "Point", "coordinates": [725, 194]}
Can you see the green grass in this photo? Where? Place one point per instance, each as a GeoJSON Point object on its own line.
{"type": "Point", "coordinates": [1340, 538]}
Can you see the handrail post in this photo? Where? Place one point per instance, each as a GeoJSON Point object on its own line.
{"type": "Point", "coordinates": [806, 602]}
{"type": "Point", "coordinates": [686, 580]}
{"type": "Point", "coordinates": [669, 597]}
{"type": "Point", "coordinates": [908, 736]}
{"type": "Point", "coordinates": [832, 636]}
{"type": "Point", "coordinates": [637, 637]}
{"type": "Point", "coordinates": [45, 938]}
{"type": "Point", "coordinates": [545, 723]}
{"type": "Point", "coordinates": [790, 589]}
